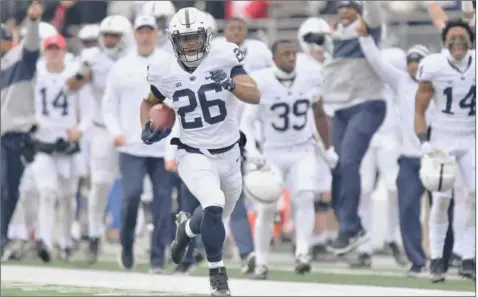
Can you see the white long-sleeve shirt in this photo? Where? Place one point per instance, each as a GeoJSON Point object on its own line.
{"type": "Point", "coordinates": [125, 89]}
{"type": "Point", "coordinates": [404, 86]}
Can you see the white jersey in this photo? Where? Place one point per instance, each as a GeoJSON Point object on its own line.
{"type": "Point", "coordinates": [257, 54]}
{"type": "Point", "coordinates": [207, 113]}
{"type": "Point", "coordinates": [454, 93]}
{"type": "Point", "coordinates": [101, 65]}
{"type": "Point", "coordinates": [54, 110]}
{"type": "Point", "coordinates": [285, 112]}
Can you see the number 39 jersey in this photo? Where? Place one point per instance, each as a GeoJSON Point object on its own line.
{"type": "Point", "coordinates": [207, 112]}
{"type": "Point", "coordinates": [55, 111]}
{"type": "Point", "coordinates": [454, 93]}
{"type": "Point", "coordinates": [284, 112]}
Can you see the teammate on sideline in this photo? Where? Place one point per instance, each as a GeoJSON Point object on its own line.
{"type": "Point", "coordinates": [201, 83]}
{"type": "Point", "coordinates": [449, 79]}
{"type": "Point", "coordinates": [137, 160]}
{"type": "Point", "coordinates": [56, 164]}
{"type": "Point", "coordinates": [115, 40]}
{"type": "Point", "coordinates": [287, 95]}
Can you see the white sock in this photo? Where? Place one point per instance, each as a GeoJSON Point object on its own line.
{"type": "Point", "coordinates": [468, 238]}
{"type": "Point", "coordinates": [303, 207]}
{"type": "Point", "coordinates": [189, 232]}
{"type": "Point", "coordinates": [263, 233]}
{"type": "Point", "coordinates": [437, 239]}
{"type": "Point", "coordinates": [332, 234]}
{"type": "Point", "coordinates": [320, 239]}
{"type": "Point", "coordinates": [213, 265]}
{"type": "Point", "coordinates": [459, 221]}
{"type": "Point", "coordinates": [392, 216]}
{"type": "Point", "coordinates": [46, 217]}
{"type": "Point", "coordinates": [365, 217]}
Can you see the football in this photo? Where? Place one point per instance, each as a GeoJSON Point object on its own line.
{"type": "Point", "coordinates": [162, 116]}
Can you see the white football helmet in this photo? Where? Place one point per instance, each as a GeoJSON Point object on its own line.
{"type": "Point", "coordinates": [188, 22]}
{"type": "Point", "coordinates": [438, 171]}
{"type": "Point", "coordinates": [212, 23]}
{"type": "Point", "coordinates": [319, 26]}
{"type": "Point", "coordinates": [89, 32]}
{"type": "Point", "coordinates": [163, 11]}
{"type": "Point", "coordinates": [120, 25]}
{"type": "Point", "coordinates": [263, 184]}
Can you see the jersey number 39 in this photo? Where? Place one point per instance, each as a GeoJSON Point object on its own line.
{"type": "Point", "coordinates": [299, 109]}
{"type": "Point", "coordinates": [205, 106]}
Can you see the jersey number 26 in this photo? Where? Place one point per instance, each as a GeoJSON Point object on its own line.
{"type": "Point", "coordinates": [204, 104]}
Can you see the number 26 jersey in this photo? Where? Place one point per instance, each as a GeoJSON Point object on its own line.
{"type": "Point", "coordinates": [207, 113]}
{"type": "Point", "coordinates": [454, 93]}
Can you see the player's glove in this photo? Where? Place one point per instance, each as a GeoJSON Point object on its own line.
{"type": "Point", "coordinates": [150, 135]}
{"type": "Point", "coordinates": [221, 78]}
{"type": "Point", "coordinates": [331, 157]}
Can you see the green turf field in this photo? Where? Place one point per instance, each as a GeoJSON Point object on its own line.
{"type": "Point", "coordinates": [325, 276]}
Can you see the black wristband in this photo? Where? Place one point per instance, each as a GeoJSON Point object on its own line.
{"type": "Point", "coordinates": [79, 76]}
{"type": "Point", "coordinates": [423, 137]}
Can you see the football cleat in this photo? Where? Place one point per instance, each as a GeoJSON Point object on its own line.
{"type": "Point", "coordinates": [467, 269]}
{"type": "Point", "coordinates": [437, 270]}
{"type": "Point", "coordinates": [249, 263]}
{"type": "Point", "coordinates": [218, 281]}
{"type": "Point", "coordinates": [43, 252]}
{"type": "Point", "coordinates": [302, 264]}
{"type": "Point", "coordinates": [93, 250]}
{"type": "Point", "coordinates": [260, 273]}
{"type": "Point", "coordinates": [181, 242]}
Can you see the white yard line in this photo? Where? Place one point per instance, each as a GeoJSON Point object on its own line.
{"type": "Point", "coordinates": [197, 285]}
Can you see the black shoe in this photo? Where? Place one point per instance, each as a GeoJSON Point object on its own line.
{"type": "Point", "coordinates": [468, 269]}
{"type": "Point", "coordinates": [302, 264]}
{"type": "Point", "coordinates": [93, 250]}
{"type": "Point", "coordinates": [416, 271]}
{"type": "Point", "coordinates": [260, 273]}
{"type": "Point", "coordinates": [184, 268]}
{"type": "Point", "coordinates": [344, 243]}
{"type": "Point", "coordinates": [361, 261]}
{"type": "Point", "coordinates": [65, 254]}
{"type": "Point", "coordinates": [126, 259]}
{"type": "Point", "coordinates": [437, 270]}
{"type": "Point", "coordinates": [43, 252]}
{"type": "Point", "coordinates": [249, 263]}
{"type": "Point", "coordinates": [218, 281]}
{"type": "Point", "coordinates": [318, 251]}
{"type": "Point", "coordinates": [397, 253]}
{"type": "Point", "coordinates": [181, 242]}
{"type": "Point", "coordinates": [455, 261]}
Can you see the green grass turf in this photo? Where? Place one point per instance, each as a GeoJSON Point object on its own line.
{"type": "Point", "coordinates": [315, 277]}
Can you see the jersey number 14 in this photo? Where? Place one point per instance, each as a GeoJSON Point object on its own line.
{"type": "Point", "coordinates": [467, 102]}
{"type": "Point", "coordinates": [60, 102]}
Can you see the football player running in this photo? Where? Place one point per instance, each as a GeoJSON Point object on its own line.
{"type": "Point", "coordinates": [116, 37]}
{"type": "Point", "coordinates": [55, 167]}
{"type": "Point", "coordinates": [201, 82]}
{"type": "Point", "coordinates": [288, 93]}
{"type": "Point", "coordinates": [449, 78]}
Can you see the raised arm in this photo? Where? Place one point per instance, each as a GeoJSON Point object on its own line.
{"type": "Point", "coordinates": [372, 15]}
{"type": "Point", "coordinates": [386, 71]}
{"type": "Point", "coordinates": [437, 15]}
{"type": "Point", "coordinates": [31, 46]}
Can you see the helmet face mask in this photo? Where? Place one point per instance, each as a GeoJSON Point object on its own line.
{"type": "Point", "coordinates": [115, 35]}
{"type": "Point", "coordinates": [190, 35]}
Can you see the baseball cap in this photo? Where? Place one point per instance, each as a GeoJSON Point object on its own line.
{"type": "Point", "coordinates": [56, 40]}
{"type": "Point", "coordinates": [145, 20]}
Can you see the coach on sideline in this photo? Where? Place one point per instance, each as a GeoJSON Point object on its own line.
{"type": "Point", "coordinates": [125, 90]}
{"type": "Point", "coordinates": [18, 66]}
{"type": "Point", "coordinates": [353, 91]}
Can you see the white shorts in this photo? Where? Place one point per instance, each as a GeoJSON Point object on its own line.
{"type": "Point", "coordinates": [298, 165]}
{"type": "Point", "coordinates": [56, 173]}
{"type": "Point", "coordinates": [215, 180]}
{"type": "Point", "coordinates": [104, 162]}
{"type": "Point", "coordinates": [463, 147]}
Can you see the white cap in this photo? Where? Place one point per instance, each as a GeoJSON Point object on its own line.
{"type": "Point", "coordinates": [145, 20]}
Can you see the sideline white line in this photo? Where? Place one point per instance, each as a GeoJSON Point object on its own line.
{"type": "Point", "coordinates": [197, 285]}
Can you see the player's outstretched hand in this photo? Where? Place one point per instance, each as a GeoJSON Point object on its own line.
{"type": "Point", "coordinates": [221, 78]}
{"type": "Point", "coordinates": [150, 135]}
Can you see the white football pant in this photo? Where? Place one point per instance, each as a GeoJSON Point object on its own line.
{"type": "Point", "coordinates": [104, 167]}
{"type": "Point", "coordinates": [382, 156]}
{"type": "Point", "coordinates": [298, 165]}
{"type": "Point", "coordinates": [57, 182]}
{"type": "Point", "coordinates": [463, 147]}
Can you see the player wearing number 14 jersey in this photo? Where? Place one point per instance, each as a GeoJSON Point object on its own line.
{"type": "Point", "coordinates": [201, 82]}
{"type": "Point", "coordinates": [62, 118]}
{"type": "Point", "coordinates": [449, 79]}
{"type": "Point", "coordinates": [289, 95]}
